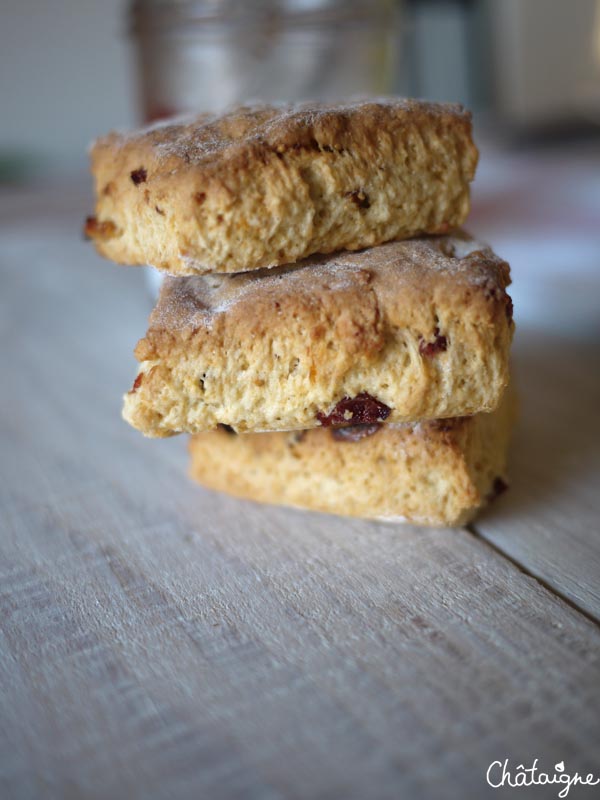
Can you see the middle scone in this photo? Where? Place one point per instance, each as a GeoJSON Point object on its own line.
{"type": "Point", "coordinates": [407, 331]}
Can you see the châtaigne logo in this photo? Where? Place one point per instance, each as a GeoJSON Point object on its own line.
{"type": "Point", "coordinates": [500, 774]}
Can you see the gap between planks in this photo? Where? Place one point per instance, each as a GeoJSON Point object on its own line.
{"type": "Point", "coordinates": [472, 530]}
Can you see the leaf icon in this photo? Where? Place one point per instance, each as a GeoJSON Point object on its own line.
{"type": "Point", "coordinates": [560, 767]}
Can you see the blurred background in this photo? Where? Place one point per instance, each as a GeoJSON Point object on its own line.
{"type": "Point", "coordinates": [71, 69]}
{"type": "Point", "coordinates": [529, 69]}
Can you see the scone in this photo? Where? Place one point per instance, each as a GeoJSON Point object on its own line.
{"type": "Point", "coordinates": [263, 186]}
{"type": "Point", "coordinates": [429, 473]}
{"type": "Point", "coordinates": [411, 330]}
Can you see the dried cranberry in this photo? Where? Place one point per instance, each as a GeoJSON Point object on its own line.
{"type": "Point", "coordinates": [439, 344]}
{"type": "Point", "coordinates": [160, 112]}
{"type": "Point", "coordinates": [139, 176]}
{"type": "Point", "coordinates": [360, 410]}
{"type": "Point", "coordinates": [360, 198]}
{"type": "Point", "coordinates": [136, 384]}
{"type": "Point", "coordinates": [94, 229]}
{"type": "Point", "coordinates": [354, 433]}
{"type": "Point", "coordinates": [499, 486]}
{"type": "Point", "coordinates": [445, 426]}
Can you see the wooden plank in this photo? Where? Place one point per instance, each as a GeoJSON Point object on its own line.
{"type": "Point", "coordinates": [276, 655]}
{"type": "Point", "coordinates": [550, 520]}
{"type": "Point", "coordinates": [159, 640]}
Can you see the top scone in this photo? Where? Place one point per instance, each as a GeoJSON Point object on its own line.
{"type": "Point", "coordinates": [264, 186]}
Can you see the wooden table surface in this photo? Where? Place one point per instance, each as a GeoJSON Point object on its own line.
{"type": "Point", "coordinates": [161, 641]}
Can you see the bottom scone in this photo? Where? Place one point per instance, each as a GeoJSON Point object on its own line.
{"type": "Point", "coordinates": [431, 473]}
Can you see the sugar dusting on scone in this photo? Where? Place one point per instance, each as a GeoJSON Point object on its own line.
{"type": "Point", "coordinates": [264, 186]}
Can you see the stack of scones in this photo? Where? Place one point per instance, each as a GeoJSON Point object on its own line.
{"type": "Point", "coordinates": [326, 332]}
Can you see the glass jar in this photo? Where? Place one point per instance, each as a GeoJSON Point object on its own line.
{"type": "Point", "coordinates": [207, 55]}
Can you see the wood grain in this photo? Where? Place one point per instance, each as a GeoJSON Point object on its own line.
{"type": "Point", "coordinates": [550, 520]}
{"type": "Point", "coordinates": [157, 640]}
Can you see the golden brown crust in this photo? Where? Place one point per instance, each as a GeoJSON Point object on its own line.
{"type": "Point", "coordinates": [423, 326]}
{"type": "Point", "coordinates": [263, 186]}
{"type": "Point", "coordinates": [432, 473]}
